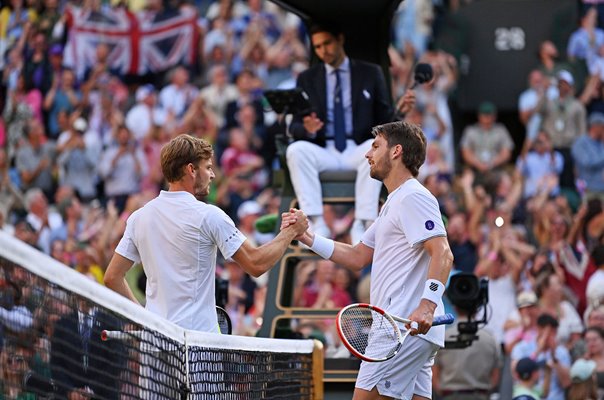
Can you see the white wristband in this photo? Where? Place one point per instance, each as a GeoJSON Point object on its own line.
{"type": "Point", "coordinates": [433, 291]}
{"type": "Point", "coordinates": [323, 246]}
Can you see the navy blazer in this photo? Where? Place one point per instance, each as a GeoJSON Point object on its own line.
{"type": "Point", "coordinates": [371, 102]}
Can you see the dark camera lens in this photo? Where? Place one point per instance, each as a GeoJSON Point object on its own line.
{"type": "Point", "coordinates": [464, 291]}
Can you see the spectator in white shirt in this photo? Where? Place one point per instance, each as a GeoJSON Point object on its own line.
{"type": "Point", "coordinates": [139, 118]}
{"type": "Point", "coordinates": [122, 166]}
{"type": "Point", "coordinates": [219, 92]}
{"type": "Point", "coordinates": [179, 94]}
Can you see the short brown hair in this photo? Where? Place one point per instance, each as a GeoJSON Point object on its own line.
{"type": "Point", "coordinates": [410, 137]}
{"type": "Point", "coordinates": [180, 151]}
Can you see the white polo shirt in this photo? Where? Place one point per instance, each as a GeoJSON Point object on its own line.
{"type": "Point", "coordinates": [175, 237]}
{"type": "Point", "coordinates": [399, 270]}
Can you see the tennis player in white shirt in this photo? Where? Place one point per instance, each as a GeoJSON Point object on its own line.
{"type": "Point", "coordinates": [176, 236]}
{"type": "Point", "coordinates": [410, 257]}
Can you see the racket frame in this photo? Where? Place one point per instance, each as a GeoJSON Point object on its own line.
{"type": "Point", "coordinates": [390, 318]}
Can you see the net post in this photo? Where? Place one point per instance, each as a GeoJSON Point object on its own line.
{"type": "Point", "coordinates": [317, 370]}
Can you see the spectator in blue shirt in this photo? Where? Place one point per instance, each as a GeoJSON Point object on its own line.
{"type": "Point", "coordinates": [588, 154]}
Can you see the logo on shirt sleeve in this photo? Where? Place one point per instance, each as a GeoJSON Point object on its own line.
{"type": "Point", "coordinates": [429, 225]}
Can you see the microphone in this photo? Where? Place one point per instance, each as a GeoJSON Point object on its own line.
{"type": "Point", "coordinates": [423, 73]}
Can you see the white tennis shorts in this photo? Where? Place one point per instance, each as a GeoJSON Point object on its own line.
{"type": "Point", "coordinates": [407, 373]}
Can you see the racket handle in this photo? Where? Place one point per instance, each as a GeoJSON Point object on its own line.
{"type": "Point", "coordinates": [446, 319]}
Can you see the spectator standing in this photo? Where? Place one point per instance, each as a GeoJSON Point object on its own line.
{"type": "Point", "coordinates": [219, 92]}
{"type": "Point", "coordinates": [35, 160]}
{"type": "Point", "coordinates": [17, 114]}
{"type": "Point", "coordinates": [594, 292]}
{"type": "Point", "coordinates": [588, 156]}
{"type": "Point", "coordinates": [42, 221]}
{"type": "Point", "coordinates": [176, 97]}
{"type": "Point", "coordinates": [522, 324]}
{"type": "Point", "coordinates": [37, 67]}
{"type": "Point", "coordinates": [486, 145]}
{"type": "Point", "coordinates": [122, 166]}
{"type": "Point", "coordinates": [62, 96]}
{"type": "Point", "coordinates": [564, 119]}
{"type": "Point", "coordinates": [549, 289]}
{"type": "Point", "coordinates": [584, 43]}
{"type": "Point", "coordinates": [78, 162]}
{"type": "Point", "coordinates": [140, 117]}
{"type": "Point", "coordinates": [10, 195]}
{"type": "Point", "coordinates": [594, 341]}
{"type": "Point", "coordinates": [539, 86]}
{"type": "Point", "coordinates": [468, 373]}
{"type": "Point", "coordinates": [540, 166]}
{"type": "Point", "coordinates": [545, 348]}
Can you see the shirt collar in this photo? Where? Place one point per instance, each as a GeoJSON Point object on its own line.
{"type": "Point", "coordinates": [344, 67]}
{"type": "Point", "coordinates": [177, 194]}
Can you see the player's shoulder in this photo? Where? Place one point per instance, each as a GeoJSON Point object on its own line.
{"type": "Point", "coordinates": [414, 189]}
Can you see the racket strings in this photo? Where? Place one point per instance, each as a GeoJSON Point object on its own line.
{"type": "Point", "coordinates": [370, 333]}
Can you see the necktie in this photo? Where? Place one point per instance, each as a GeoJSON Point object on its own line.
{"type": "Point", "coordinates": [338, 115]}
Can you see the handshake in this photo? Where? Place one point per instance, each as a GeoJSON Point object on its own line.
{"type": "Point", "coordinates": [298, 221]}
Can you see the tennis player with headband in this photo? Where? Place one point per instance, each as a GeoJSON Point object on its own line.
{"type": "Point", "coordinates": [176, 236]}
{"type": "Point", "coordinates": [410, 257]}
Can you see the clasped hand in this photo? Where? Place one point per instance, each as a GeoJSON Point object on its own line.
{"type": "Point", "coordinates": [296, 219]}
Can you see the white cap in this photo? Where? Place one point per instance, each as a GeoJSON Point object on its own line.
{"type": "Point", "coordinates": [144, 91]}
{"type": "Point", "coordinates": [566, 77]}
{"type": "Point", "coordinates": [80, 125]}
{"type": "Point", "coordinates": [249, 207]}
{"type": "Point", "coordinates": [582, 369]}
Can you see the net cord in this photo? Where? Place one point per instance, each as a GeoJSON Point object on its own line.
{"type": "Point", "coordinates": [53, 271]}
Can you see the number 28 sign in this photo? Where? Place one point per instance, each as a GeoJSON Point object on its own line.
{"type": "Point", "coordinates": [510, 39]}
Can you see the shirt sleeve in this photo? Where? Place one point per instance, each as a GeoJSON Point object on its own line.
{"type": "Point", "coordinates": [224, 233]}
{"type": "Point", "coordinates": [420, 218]}
{"type": "Point", "coordinates": [126, 246]}
{"type": "Point", "coordinates": [368, 237]}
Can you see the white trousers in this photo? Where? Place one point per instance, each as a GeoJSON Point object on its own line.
{"type": "Point", "coordinates": [306, 160]}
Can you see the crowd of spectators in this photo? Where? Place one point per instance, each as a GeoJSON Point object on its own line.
{"type": "Point", "coordinates": [78, 154]}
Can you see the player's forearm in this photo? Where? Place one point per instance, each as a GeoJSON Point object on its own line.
{"type": "Point", "coordinates": [121, 286]}
{"type": "Point", "coordinates": [354, 258]}
{"type": "Point", "coordinates": [267, 255]}
{"type": "Point", "coordinates": [440, 265]}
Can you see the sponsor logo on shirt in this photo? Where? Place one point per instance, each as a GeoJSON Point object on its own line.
{"type": "Point", "coordinates": [429, 225]}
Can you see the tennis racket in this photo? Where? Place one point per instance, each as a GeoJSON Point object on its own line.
{"type": "Point", "coordinates": [224, 321]}
{"type": "Point", "coordinates": [372, 334]}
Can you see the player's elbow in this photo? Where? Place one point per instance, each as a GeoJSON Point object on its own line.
{"type": "Point", "coordinates": [448, 258]}
{"type": "Point", "coordinates": [110, 279]}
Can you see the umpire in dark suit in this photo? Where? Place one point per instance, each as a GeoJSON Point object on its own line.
{"type": "Point", "coordinates": [348, 98]}
{"type": "Point", "coordinates": [82, 365]}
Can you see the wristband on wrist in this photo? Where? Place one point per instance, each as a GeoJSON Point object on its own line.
{"type": "Point", "coordinates": [323, 246]}
{"type": "Point", "coordinates": [433, 291]}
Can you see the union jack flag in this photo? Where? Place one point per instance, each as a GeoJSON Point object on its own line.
{"type": "Point", "coordinates": [138, 42]}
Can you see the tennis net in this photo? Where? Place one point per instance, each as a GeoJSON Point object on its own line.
{"type": "Point", "coordinates": [61, 332]}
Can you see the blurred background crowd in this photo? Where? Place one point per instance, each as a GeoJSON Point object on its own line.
{"type": "Point", "coordinates": [80, 135]}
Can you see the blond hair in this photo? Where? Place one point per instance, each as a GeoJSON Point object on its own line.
{"type": "Point", "coordinates": [181, 151]}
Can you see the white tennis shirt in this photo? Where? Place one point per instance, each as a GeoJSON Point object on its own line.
{"type": "Point", "coordinates": [399, 270]}
{"type": "Point", "coordinates": [175, 237]}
